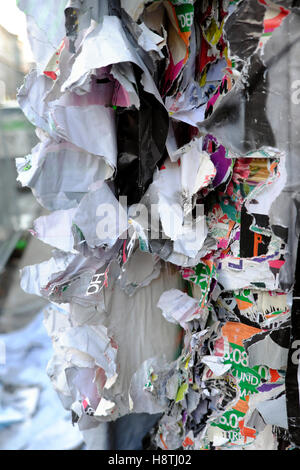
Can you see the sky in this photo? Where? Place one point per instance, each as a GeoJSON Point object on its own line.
{"type": "Point", "coordinates": [14, 20]}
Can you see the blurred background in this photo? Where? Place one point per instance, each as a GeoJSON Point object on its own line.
{"type": "Point", "coordinates": [18, 207]}
{"type": "Point", "coordinates": [31, 416]}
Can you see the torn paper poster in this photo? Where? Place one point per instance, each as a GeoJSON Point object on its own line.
{"type": "Point", "coordinates": [39, 172]}
{"type": "Point", "coordinates": [61, 222]}
{"type": "Point", "coordinates": [133, 8]}
{"type": "Point", "coordinates": [110, 222]}
{"type": "Point", "coordinates": [168, 158]}
{"type": "Point", "coordinates": [45, 27]}
{"type": "Point", "coordinates": [178, 307]}
{"type": "Point", "coordinates": [102, 349]}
